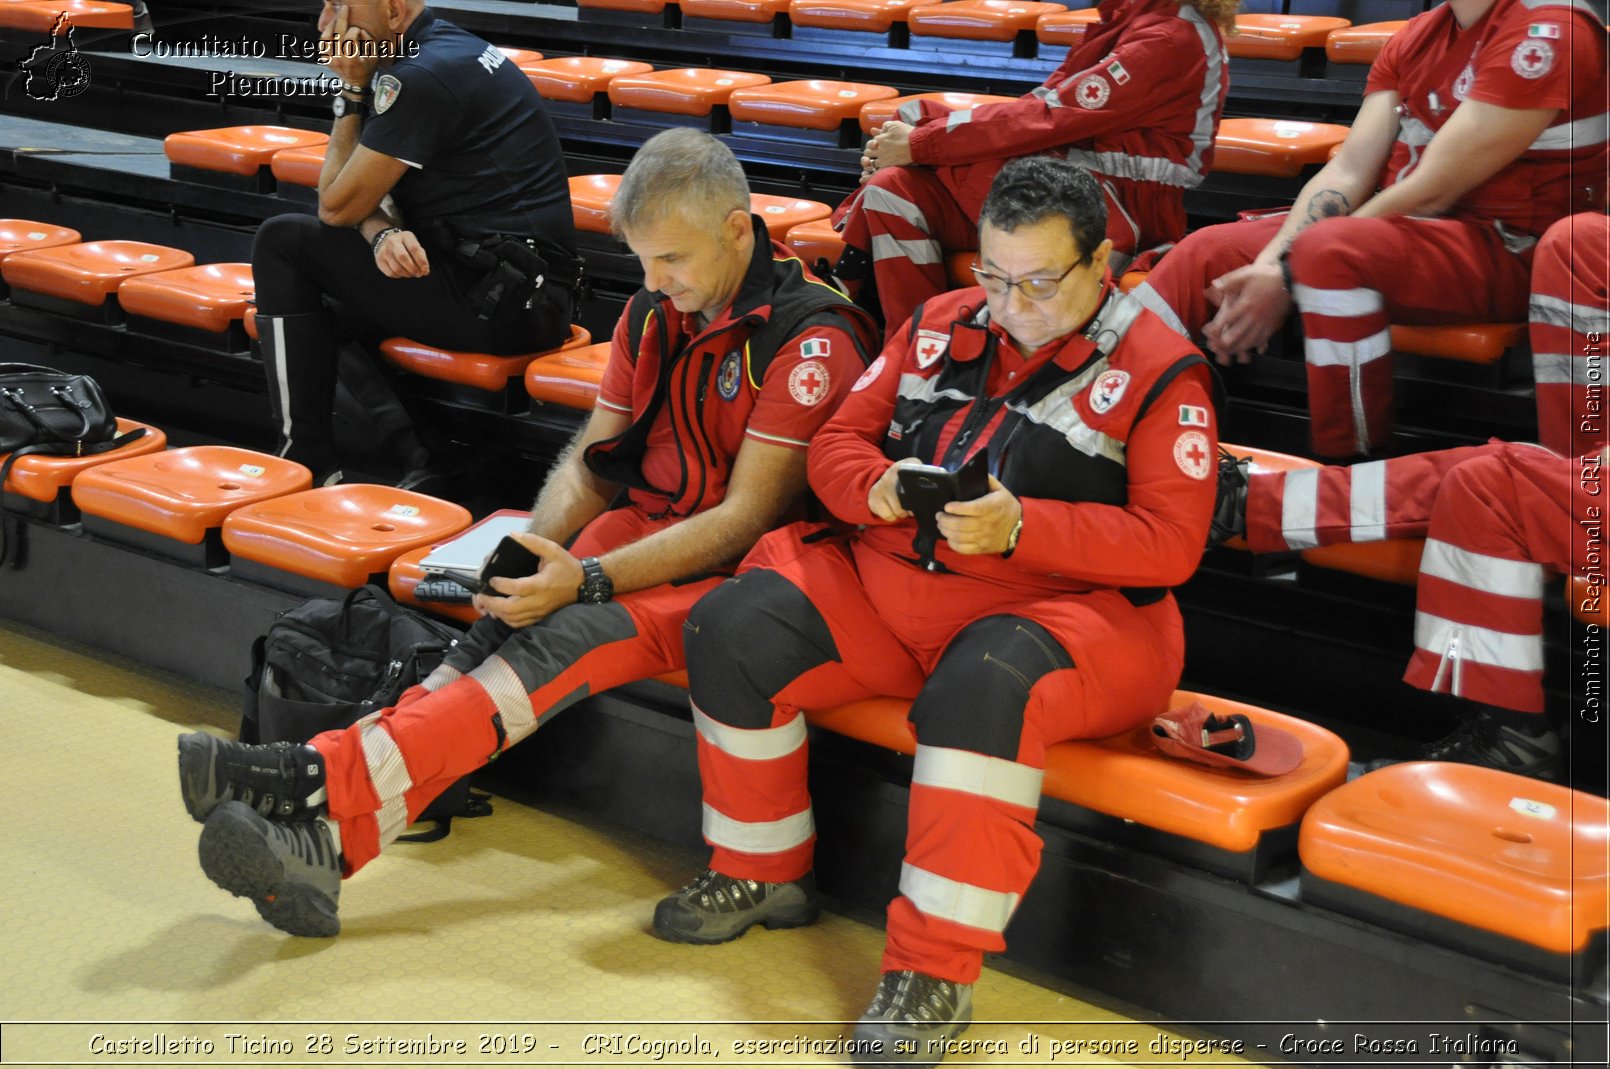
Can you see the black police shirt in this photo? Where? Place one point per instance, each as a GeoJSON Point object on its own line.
{"type": "Point", "coordinates": [482, 153]}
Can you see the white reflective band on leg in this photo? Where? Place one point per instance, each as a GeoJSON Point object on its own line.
{"type": "Point", "coordinates": [750, 744]}
{"type": "Point", "coordinates": [1493, 575]}
{"type": "Point", "coordinates": [976, 773]}
{"type": "Point", "coordinates": [1153, 300]}
{"type": "Point", "coordinates": [388, 774]}
{"type": "Point", "coordinates": [1346, 303]}
{"type": "Point", "coordinates": [281, 379]}
{"type": "Point", "coordinates": [761, 837]}
{"type": "Point", "coordinates": [1500, 649]}
{"type": "Point", "coordinates": [877, 199]}
{"type": "Point", "coordinates": [959, 903]}
{"type": "Point", "coordinates": [917, 250]}
{"type": "Point", "coordinates": [502, 684]}
{"type": "Point", "coordinates": [1555, 312]}
{"type": "Point", "coordinates": [1565, 369]}
{"type": "Point", "coordinates": [1367, 501]}
{"type": "Point", "coordinates": [443, 675]}
{"type": "Point", "coordinates": [1299, 508]}
{"type": "Point", "coordinates": [1322, 352]}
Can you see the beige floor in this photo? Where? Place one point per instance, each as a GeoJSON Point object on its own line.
{"type": "Point", "coordinates": [521, 936]}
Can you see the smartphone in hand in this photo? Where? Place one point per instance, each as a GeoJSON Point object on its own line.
{"type": "Point", "coordinates": [925, 489]}
{"type": "Point", "coordinates": [509, 560]}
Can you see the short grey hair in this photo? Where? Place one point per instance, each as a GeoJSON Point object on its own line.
{"type": "Point", "coordinates": [679, 171]}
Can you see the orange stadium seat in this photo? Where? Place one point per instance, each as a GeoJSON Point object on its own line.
{"type": "Point", "coordinates": [1277, 147]}
{"type": "Point", "coordinates": [979, 20]}
{"type": "Point", "coordinates": [211, 298]}
{"type": "Point", "coordinates": [1280, 37]}
{"type": "Point", "coordinates": [298, 166]}
{"type": "Point", "coordinates": [175, 501]}
{"type": "Point", "coordinates": [782, 214]}
{"type": "Point", "coordinates": [1130, 279]}
{"type": "Point", "coordinates": [867, 16]}
{"type": "Point", "coordinates": [589, 201]}
{"type": "Point", "coordinates": [734, 10]}
{"type": "Point", "coordinates": [1215, 816]}
{"type": "Point", "coordinates": [522, 58]}
{"type": "Point", "coordinates": [877, 112]}
{"type": "Point", "coordinates": [236, 150]}
{"type": "Point", "coordinates": [405, 575]}
{"type": "Point", "coordinates": [1511, 868]}
{"type": "Point", "coordinates": [684, 91]}
{"type": "Point", "coordinates": [1472, 343]}
{"type": "Point", "coordinates": [815, 242]}
{"type": "Point", "coordinates": [646, 7]}
{"type": "Point", "coordinates": [568, 378]}
{"type": "Point", "coordinates": [342, 536]}
{"type": "Point", "coordinates": [20, 235]}
{"type": "Point", "coordinates": [579, 79]}
{"type": "Point", "coordinates": [82, 280]}
{"type": "Point", "coordinates": [959, 268]}
{"type": "Point", "coordinates": [44, 480]}
{"type": "Point", "coordinates": [499, 376]}
{"type": "Point", "coordinates": [41, 17]}
{"type": "Point", "coordinates": [249, 321]}
{"type": "Point", "coordinates": [1360, 44]}
{"type": "Point", "coordinates": [1065, 28]}
{"type": "Point", "coordinates": [812, 104]}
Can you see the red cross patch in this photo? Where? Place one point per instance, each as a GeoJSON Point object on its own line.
{"type": "Point", "coordinates": [869, 376]}
{"type": "Point", "coordinates": [1192, 454]}
{"type": "Point", "coordinates": [1532, 58]}
{"type": "Point", "coordinates": [1092, 91]}
{"type": "Point", "coordinates": [931, 345]}
{"type": "Point", "coordinates": [807, 383]}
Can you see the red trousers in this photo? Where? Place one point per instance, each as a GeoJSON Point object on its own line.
{"type": "Point", "coordinates": [1496, 519]}
{"type": "Point", "coordinates": [994, 684]}
{"type": "Point", "coordinates": [1351, 279]}
{"type": "Point", "coordinates": [1570, 316]}
{"type": "Point", "coordinates": [908, 219]}
{"type": "Point", "coordinates": [498, 686]}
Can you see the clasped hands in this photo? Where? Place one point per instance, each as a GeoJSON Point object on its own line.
{"type": "Point", "coordinates": [972, 528]}
{"type": "Point", "coordinates": [1252, 304]}
{"type": "Point", "coordinates": [890, 147]}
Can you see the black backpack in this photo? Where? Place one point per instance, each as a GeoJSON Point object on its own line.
{"type": "Point", "coordinates": [327, 663]}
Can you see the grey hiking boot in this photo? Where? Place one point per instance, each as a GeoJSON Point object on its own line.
{"type": "Point", "coordinates": [290, 870]}
{"type": "Point", "coordinates": [1486, 740]}
{"type": "Point", "coordinates": [911, 1018]}
{"type": "Point", "coordinates": [279, 779]}
{"type": "Point", "coordinates": [716, 908]}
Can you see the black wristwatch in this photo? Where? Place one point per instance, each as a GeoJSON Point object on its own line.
{"type": "Point", "coordinates": [343, 105]}
{"type": "Point", "coordinates": [596, 587]}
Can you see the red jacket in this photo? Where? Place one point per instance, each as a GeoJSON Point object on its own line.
{"type": "Point", "coordinates": [1116, 478]}
{"type": "Point", "coordinates": [1137, 101]}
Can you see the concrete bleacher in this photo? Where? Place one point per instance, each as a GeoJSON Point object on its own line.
{"type": "Point", "coordinates": [1293, 635]}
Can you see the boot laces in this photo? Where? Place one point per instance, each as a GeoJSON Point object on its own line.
{"type": "Point", "coordinates": [714, 890]}
{"type": "Point", "coordinates": [915, 997]}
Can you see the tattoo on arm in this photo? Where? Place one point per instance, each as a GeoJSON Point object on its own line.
{"type": "Point", "coordinates": [1328, 204]}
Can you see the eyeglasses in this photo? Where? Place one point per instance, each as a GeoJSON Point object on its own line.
{"type": "Point", "coordinates": [1035, 289]}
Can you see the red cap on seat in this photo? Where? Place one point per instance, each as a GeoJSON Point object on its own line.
{"type": "Point", "coordinates": [1196, 733]}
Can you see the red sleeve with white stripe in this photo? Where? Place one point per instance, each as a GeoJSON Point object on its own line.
{"type": "Point", "coordinates": [1155, 69]}
{"type": "Point", "coordinates": [615, 388]}
{"type": "Point", "coordinates": [1157, 538]}
{"type": "Point", "coordinates": [847, 457]}
{"type": "Point", "coordinates": [803, 387]}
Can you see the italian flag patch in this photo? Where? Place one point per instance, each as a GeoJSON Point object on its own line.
{"type": "Point", "coordinates": [815, 348]}
{"type": "Point", "coordinates": [1543, 29]}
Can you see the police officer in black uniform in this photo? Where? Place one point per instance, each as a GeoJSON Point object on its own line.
{"type": "Point", "coordinates": [444, 216]}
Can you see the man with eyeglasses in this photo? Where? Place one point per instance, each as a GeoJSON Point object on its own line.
{"type": "Point", "coordinates": [1043, 614]}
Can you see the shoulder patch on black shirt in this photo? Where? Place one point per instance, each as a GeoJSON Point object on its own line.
{"type": "Point", "coordinates": [387, 89]}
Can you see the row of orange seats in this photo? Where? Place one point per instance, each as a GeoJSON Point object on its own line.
{"type": "Point", "coordinates": [40, 16]}
{"type": "Point", "coordinates": [1440, 840]}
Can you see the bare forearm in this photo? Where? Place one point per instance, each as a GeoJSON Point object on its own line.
{"type": "Point", "coordinates": [1329, 194]}
{"type": "Point", "coordinates": [701, 543]}
{"type": "Point", "coordinates": [343, 139]}
{"type": "Point", "coordinates": [571, 497]}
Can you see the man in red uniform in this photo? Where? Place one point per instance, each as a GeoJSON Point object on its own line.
{"type": "Point", "coordinates": [1570, 314]}
{"type": "Point", "coordinates": [1137, 102]}
{"type": "Point", "coordinates": [1043, 613]}
{"type": "Point", "coordinates": [721, 371]}
{"type": "Point", "coordinates": [1496, 518]}
{"type": "Point", "coordinates": [1483, 123]}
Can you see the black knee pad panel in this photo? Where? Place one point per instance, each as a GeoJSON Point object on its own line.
{"type": "Point", "coordinates": [976, 696]}
{"type": "Point", "coordinates": [748, 639]}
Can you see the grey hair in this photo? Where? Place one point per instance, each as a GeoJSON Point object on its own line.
{"type": "Point", "coordinates": [679, 171]}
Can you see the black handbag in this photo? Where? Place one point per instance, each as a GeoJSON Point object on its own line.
{"type": "Point", "coordinates": [51, 413]}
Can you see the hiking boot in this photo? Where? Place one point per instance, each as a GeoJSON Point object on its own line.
{"type": "Point", "coordinates": [1487, 740]}
{"type": "Point", "coordinates": [910, 1018]}
{"type": "Point", "coordinates": [716, 908]}
{"type": "Point", "coordinates": [1230, 505]}
{"type": "Point", "coordinates": [278, 779]}
{"type": "Point", "coordinates": [288, 869]}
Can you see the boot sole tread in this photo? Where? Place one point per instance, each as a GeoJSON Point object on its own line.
{"type": "Point", "coordinates": [236, 857]}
